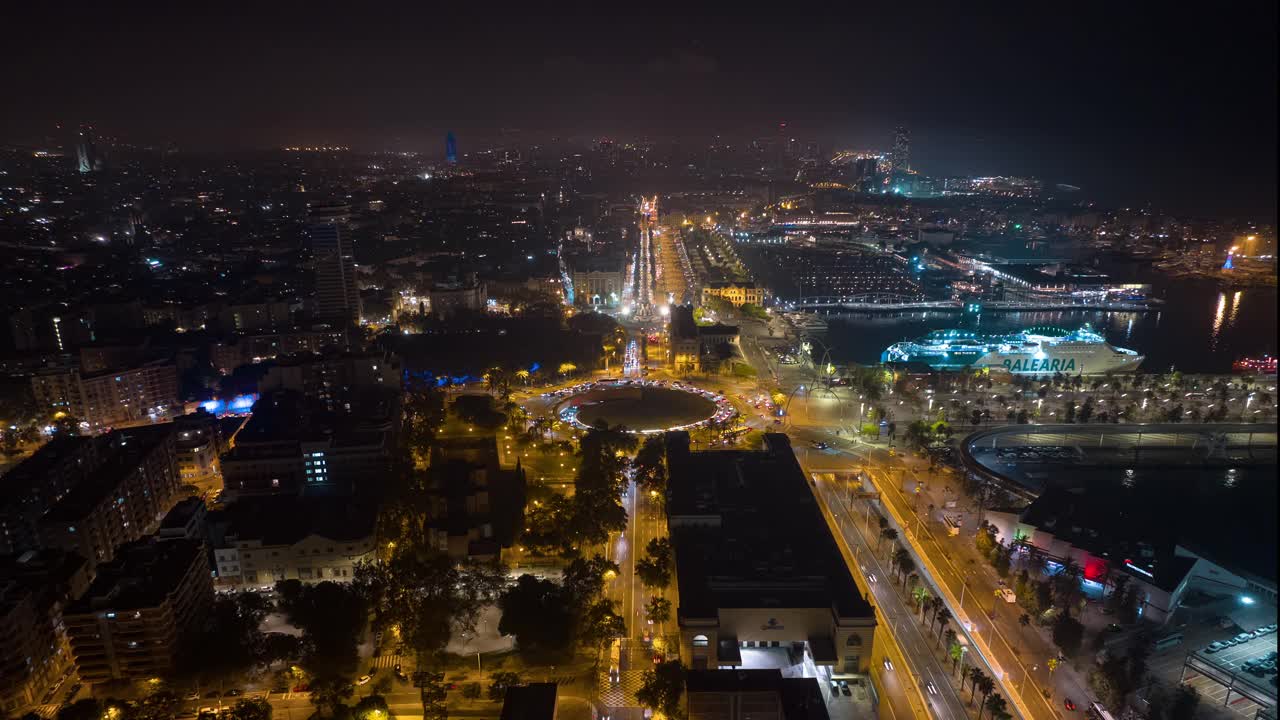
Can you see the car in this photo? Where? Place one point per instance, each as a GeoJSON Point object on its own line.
{"type": "Point", "coordinates": [1069, 704]}
{"type": "Point", "coordinates": [835, 687]}
{"type": "Point", "coordinates": [192, 696]}
{"type": "Point", "coordinates": [1243, 637]}
{"type": "Point", "coordinates": [887, 664]}
{"type": "Point", "coordinates": [844, 690]}
{"type": "Point", "coordinates": [363, 680]}
{"type": "Point", "coordinates": [614, 676]}
{"type": "Point", "coordinates": [1214, 647]}
{"type": "Point", "coordinates": [820, 446]}
{"type": "Point", "coordinates": [1114, 627]}
{"type": "Point", "coordinates": [233, 692]}
{"type": "Point", "coordinates": [933, 690]}
{"type": "Point", "coordinates": [871, 578]}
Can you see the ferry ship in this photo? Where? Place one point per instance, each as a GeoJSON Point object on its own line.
{"type": "Point", "coordinates": [1034, 351]}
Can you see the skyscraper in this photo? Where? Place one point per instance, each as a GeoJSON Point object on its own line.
{"type": "Point", "coordinates": [86, 153]}
{"type": "Point", "coordinates": [901, 150]}
{"type": "Point", "coordinates": [337, 295]}
{"type": "Point", "coordinates": [450, 148]}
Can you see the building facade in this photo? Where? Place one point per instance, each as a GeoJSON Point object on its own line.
{"type": "Point", "coordinates": [37, 484]}
{"type": "Point", "coordinates": [756, 566]}
{"type": "Point", "coordinates": [337, 293]}
{"type": "Point", "coordinates": [131, 622]}
{"type": "Point", "coordinates": [738, 294]}
{"type": "Point", "coordinates": [148, 393]}
{"type": "Point", "coordinates": [121, 500]}
{"type": "Point", "coordinates": [260, 542]}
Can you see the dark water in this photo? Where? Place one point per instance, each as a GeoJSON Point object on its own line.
{"type": "Point", "coordinates": [1201, 327]}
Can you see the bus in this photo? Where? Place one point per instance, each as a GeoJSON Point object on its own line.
{"type": "Point", "coordinates": [1167, 641]}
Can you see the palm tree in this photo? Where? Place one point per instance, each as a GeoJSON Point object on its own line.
{"type": "Point", "coordinates": [923, 599]}
{"type": "Point", "coordinates": [1024, 620]}
{"type": "Point", "coordinates": [889, 534]}
{"type": "Point", "coordinates": [987, 686]}
{"type": "Point", "coordinates": [943, 618]}
{"type": "Point", "coordinates": [902, 560]}
{"type": "Point", "coordinates": [996, 704]}
{"type": "Point", "coordinates": [523, 375]}
{"type": "Point", "coordinates": [976, 676]}
{"type": "Point", "coordinates": [936, 604]}
{"type": "Point", "coordinates": [956, 651]}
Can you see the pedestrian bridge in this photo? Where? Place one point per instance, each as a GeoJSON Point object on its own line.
{"type": "Point", "coordinates": [1240, 443]}
{"type": "Point", "coordinates": [885, 302]}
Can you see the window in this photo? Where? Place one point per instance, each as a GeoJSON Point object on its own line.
{"type": "Point", "coordinates": [853, 641]}
{"type": "Point", "coordinates": [700, 641]}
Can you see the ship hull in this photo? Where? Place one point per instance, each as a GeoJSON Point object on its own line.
{"type": "Point", "coordinates": [1038, 351]}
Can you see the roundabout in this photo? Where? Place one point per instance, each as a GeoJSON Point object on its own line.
{"type": "Point", "coordinates": [642, 406]}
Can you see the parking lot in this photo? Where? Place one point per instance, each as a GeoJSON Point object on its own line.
{"type": "Point", "coordinates": [1211, 673]}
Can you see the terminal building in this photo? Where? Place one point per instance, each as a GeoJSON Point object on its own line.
{"type": "Point", "coordinates": [1185, 511]}
{"type": "Point", "coordinates": [737, 293]}
{"type": "Point", "coordinates": [761, 581]}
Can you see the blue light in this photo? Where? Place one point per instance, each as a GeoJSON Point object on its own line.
{"type": "Point", "coordinates": [1246, 600]}
{"type": "Point", "coordinates": [237, 405]}
{"type": "Point", "coordinates": [242, 402]}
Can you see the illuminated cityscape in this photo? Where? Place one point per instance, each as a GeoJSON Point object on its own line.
{"type": "Point", "coordinates": [893, 363]}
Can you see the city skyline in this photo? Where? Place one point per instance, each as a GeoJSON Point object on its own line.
{"type": "Point", "coordinates": [1103, 100]}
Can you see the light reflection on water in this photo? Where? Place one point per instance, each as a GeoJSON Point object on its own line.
{"type": "Point", "coordinates": [1217, 320]}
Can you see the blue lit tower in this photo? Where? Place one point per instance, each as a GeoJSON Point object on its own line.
{"type": "Point", "coordinates": [86, 152]}
{"type": "Point", "coordinates": [450, 148]}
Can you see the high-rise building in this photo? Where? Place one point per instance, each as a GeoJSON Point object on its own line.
{"type": "Point", "coordinates": [129, 492]}
{"type": "Point", "coordinates": [337, 295]}
{"type": "Point", "coordinates": [130, 623]}
{"type": "Point", "coordinates": [450, 148]}
{"type": "Point", "coordinates": [901, 154]}
{"type": "Point", "coordinates": [110, 398]}
{"type": "Point", "coordinates": [86, 152]}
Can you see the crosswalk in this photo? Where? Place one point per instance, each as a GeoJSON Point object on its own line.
{"type": "Point", "coordinates": [388, 662]}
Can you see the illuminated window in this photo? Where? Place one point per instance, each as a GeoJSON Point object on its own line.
{"type": "Point", "coordinates": [701, 641]}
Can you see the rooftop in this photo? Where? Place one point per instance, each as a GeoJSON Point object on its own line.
{"type": "Point", "coordinates": [1226, 515]}
{"type": "Point", "coordinates": [748, 533]}
{"type": "Point", "coordinates": [142, 574]}
{"type": "Point", "coordinates": [800, 698]}
{"type": "Point", "coordinates": [536, 701]}
{"type": "Point", "coordinates": [285, 520]}
{"type": "Point", "coordinates": [125, 450]}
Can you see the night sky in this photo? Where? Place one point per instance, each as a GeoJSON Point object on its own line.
{"type": "Point", "coordinates": [1152, 104]}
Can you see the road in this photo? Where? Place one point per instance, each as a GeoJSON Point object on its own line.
{"type": "Point", "coordinates": [1017, 656]}
{"type": "Point", "coordinates": [923, 667]}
